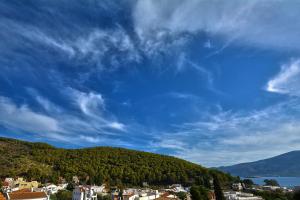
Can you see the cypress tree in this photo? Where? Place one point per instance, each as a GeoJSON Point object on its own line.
{"type": "Point", "coordinates": [195, 193]}
{"type": "Point", "coordinates": [218, 190]}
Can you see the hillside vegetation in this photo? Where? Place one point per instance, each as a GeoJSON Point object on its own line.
{"type": "Point", "coordinates": [43, 162]}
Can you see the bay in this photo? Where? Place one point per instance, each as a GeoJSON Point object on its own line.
{"type": "Point", "coordinates": [283, 181]}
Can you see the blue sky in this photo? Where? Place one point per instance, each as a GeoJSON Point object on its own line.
{"type": "Point", "coordinates": [213, 82]}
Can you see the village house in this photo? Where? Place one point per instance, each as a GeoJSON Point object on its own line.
{"type": "Point", "coordinates": [177, 188]}
{"type": "Point", "coordinates": [135, 194]}
{"type": "Point", "coordinates": [2, 197]}
{"type": "Point", "coordinates": [75, 179]}
{"type": "Point", "coordinates": [27, 196]}
{"type": "Point", "coordinates": [149, 196]}
{"type": "Point", "coordinates": [237, 186]}
{"type": "Point", "coordinates": [9, 181]}
{"type": "Point", "coordinates": [20, 183]}
{"type": "Point", "coordinates": [11, 185]}
{"type": "Point", "coordinates": [84, 193]}
{"type": "Point", "coordinates": [234, 195]}
{"type": "Point", "coordinates": [167, 196]}
{"type": "Point", "coordinates": [270, 187]}
{"type": "Point", "coordinates": [6, 187]}
{"type": "Point", "coordinates": [130, 196]}
{"type": "Point", "coordinates": [99, 189]}
{"type": "Point", "coordinates": [31, 184]}
{"type": "Point", "coordinates": [52, 189]}
{"type": "Point", "coordinates": [62, 186]}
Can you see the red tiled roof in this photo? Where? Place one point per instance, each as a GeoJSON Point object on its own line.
{"type": "Point", "coordinates": [27, 195]}
{"type": "Point", "coordinates": [2, 196]}
{"type": "Point", "coordinates": [22, 190]}
{"type": "Point", "coordinates": [165, 197]}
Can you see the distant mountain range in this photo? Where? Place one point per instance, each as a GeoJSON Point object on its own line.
{"type": "Point", "coordinates": [287, 164]}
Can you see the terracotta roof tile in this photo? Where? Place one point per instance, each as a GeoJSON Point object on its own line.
{"type": "Point", "coordinates": [27, 195]}
{"type": "Point", "coordinates": [2, 196]}
{"type": "Point", "coordinates": [22, 190]}
{"type": "Point", "coordinates": [165, 196]}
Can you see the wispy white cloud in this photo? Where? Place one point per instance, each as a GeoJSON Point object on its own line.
{"type": "Point", "coordinates": [117, 126]}
{"type": "Point", "coordinates": [99, 44]}
{"type": "Point", "coordinates": [57, 123]}
{"type": "Point", "coordinates": [23, 118]}
{"type": "Point", "coordinates": [250, 22]}
{"type": "Point", "coordinates": [58, 43]}
{"type": "Point", "coordinates": [184, 63]}
{"type": "Point", "coordinates": [44, 102]}
{"type": "Point", "coordinates": [104, 48]}
{"type": "Point", "coordinates": [228, 137]}
{"type": "Point", "coordinates": [29, 35]}
{"type": "Point", "coordinates": [180, 95]}
{"type": "Point", "coordinates": [94, 47]}
{"type": "Point", "coordinates": [154, 44]}
{"type": "Point", "coordinates": [90, 104]}
{"type": "Point", "coordinates": [170, 143]}
{"type": "Point", "coordinates": [208, 44]}
{"type": "Point", "coordinates": [287, 81]}
{"type": "Point", "coordinates": [90, 139]}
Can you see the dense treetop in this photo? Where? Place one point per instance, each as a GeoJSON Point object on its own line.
{"type": "Point", "coordinates": [115, 166]}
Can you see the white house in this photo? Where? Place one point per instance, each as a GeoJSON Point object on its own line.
{"type": "Point", "coordinates": [10, 181]}
{"type": "Point", "coordinates": [62, 186]}
{"type": "Point", "coordinates": [84, 193]}
{"type": "Point", "coordinates": [75, 179]}
{"type": "Point", "coordinates": [177, 188]}
{"type": "Point", "coordinates": [270, 187]}
{"type": "Point", "coordinates": [232, 195]}
{"type": "Point", "coordinates": [237, 186]}
{"type": "Point", "coordinates": [135, 194]}
{"type": "Point", "coordinates": [98, 189]}
{"type": "Point", "coordinates": [52, 189]}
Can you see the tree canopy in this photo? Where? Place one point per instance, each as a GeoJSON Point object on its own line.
{"type": "Point", "coordinates": [97, 165]}
{"type": "Point", "coordinates": [248, 182]}
{"type": "Point", "coordinates": [199, 193]}
{"type": "Point", "coordinates": [218, 189]}
{"type": "Point", "coordinates": [271, 182]}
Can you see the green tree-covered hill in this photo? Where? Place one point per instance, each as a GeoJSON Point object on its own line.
{"type": "Point", "coordinates": [43, 162]}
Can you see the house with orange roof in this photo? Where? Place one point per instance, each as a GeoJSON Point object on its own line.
{"type": "Point", "coordinates": [2, 197]}
{"type": "Point", "coordinates": [27, 196]}
{"type": "Point", "coordinates": [23, 190]}
{"type": "Point", "coordinates": [167, 196]}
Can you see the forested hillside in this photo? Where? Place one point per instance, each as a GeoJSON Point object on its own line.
{"type": "Point", "coordinates": [43, 162]}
